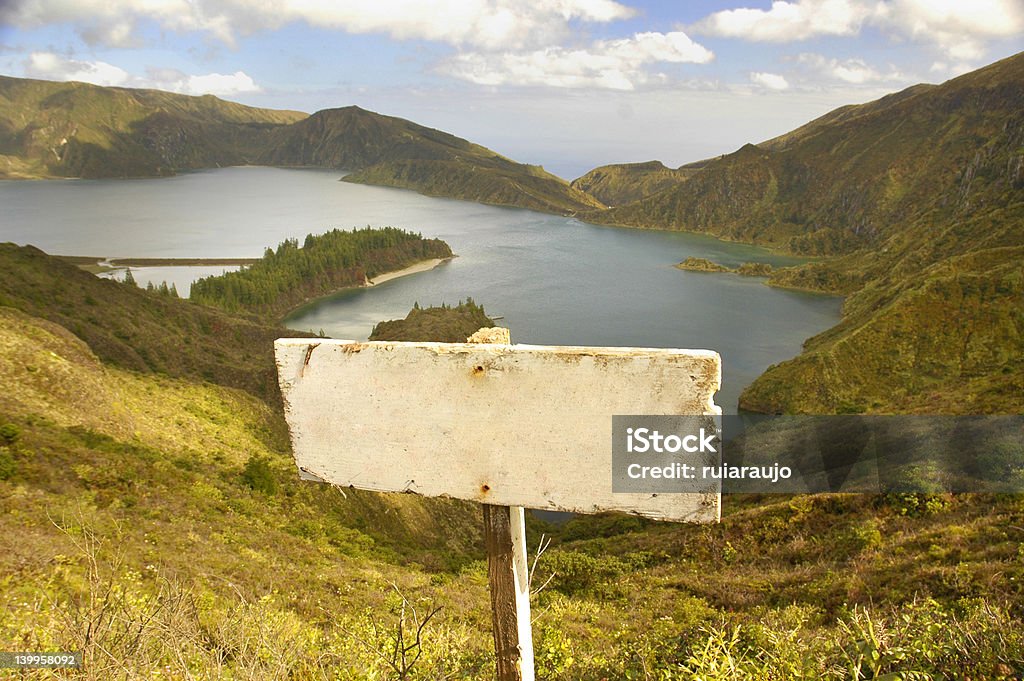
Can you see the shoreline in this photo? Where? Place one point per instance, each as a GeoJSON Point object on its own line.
{"type": "Point", "coordinates": [88, 260]}
{"type": "Point", "coordinates": [415, 268]}
{"type": "Point", "coordinates": [421, 266]}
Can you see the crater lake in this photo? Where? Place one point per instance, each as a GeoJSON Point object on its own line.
{"type": "Point", "coordinates": [552, 279]}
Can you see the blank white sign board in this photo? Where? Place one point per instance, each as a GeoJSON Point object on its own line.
{"type": "Point", "coordinates": [511, 425]}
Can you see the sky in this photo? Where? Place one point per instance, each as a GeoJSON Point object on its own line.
{"type": "Point", "coordinates": [568, 84]}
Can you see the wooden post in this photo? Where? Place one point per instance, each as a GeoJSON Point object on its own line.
{"type": "Point", "coordinates": [508, 572]}
{"type": "Point", "coordinates": [509, 580]}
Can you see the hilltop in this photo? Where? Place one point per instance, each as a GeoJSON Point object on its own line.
{"type": "Point", "coordinates": [385, 150]}
{"type": "Point", "coordinates": [50, 129]}
{"type": "Point", "coordinates": [622, 183]}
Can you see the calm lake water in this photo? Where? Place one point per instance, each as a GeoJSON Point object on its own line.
{"type": "Point", "coordinates": [554, 280]}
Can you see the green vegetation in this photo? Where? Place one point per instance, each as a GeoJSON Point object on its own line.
{"type": "Point", "coordinates": [623, 183]}
{"type": "Point", "coordinates": [289, 276]}
{"type": "Point", "coordinates": [499, 183]}
{"type": "Point", "coordinates": [395, 152]}
{"type": "Point", "coordinates": [948, 340]}
{"type": "Point", "coordinates": [127, 327]}
{"type": "Point", "coordinates": [158, 524]}
{"type": "Point", "coordinates": [918, 200]}
{"type": "Point", "coordinates": [693, 264]}
{"type": "Point", "coordinates": [445, 324]}
{"type": "Point", "coordinates": [50, 129]}
{"type": "Point", "coordinates": [151, 515]}
{"type": "Point", "coordinates": [754, 269]}
{"type": "Point", "coordinates": [747, 269]}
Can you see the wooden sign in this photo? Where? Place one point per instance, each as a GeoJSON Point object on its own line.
{"type": "Point", "coordinates": [507, 425]}
{"type": "Point", "coordinates": [510, 425]}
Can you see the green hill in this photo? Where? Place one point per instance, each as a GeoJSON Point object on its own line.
{"type": "Point", "coordinates": [862, 175]}
{"type": "Point", "coordinates": [50, 129]}
{"type": "Point", "coordinates": [391, 151]}
{"type": "Point", "coordinates": [445, 324]}
{"type": "Point", "coordinates": [622, 183]}
{"type": "Point", "coordinates": [917, 199]}
{"type": "Point", "coordinates": [133, 329]}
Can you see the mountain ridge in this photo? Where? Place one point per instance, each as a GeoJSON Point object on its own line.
{"type": "Point", "coordinates": [50, 129]}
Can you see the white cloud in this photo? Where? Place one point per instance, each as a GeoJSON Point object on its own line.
{"type": "Point", "coordinates": [211, 84]}
{"type": "Point", "coordinates": [485, 24]}
{"type": "Point", "coordinates": [609, 64]}
{"type": "Point", "coordinates": [958, 28]}
{"type": "Point", "coordinates": [50, 66]}
{"type": "Point", "coordinates": [787, 21]}
{"type": "Point", "coordinates": [853, 71]}
{"type": "Point", "coordinates": [771, 81]}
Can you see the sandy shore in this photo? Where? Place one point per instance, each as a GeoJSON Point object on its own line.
{"type": "Point", "coordinates": [411, 269]}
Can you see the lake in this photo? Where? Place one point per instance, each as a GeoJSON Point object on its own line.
{"type": "Point", "coordinates": [555, 280]}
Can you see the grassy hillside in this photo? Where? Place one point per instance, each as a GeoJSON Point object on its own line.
{"type": "Point", "coordinates": [158, 524]}
{"type": "Point", "coordinates": [162, 529]}
{"type": "Point", "coordinates": [622, 183]}
{"type": "Point", "coordinates": [445, 324]}
{"type": "Point", "coordinates": [863, 175]}
{"type": "Point", "coordinates": [50, 129]}
{"type": "Point", "coordinates": [949, 340]}
{"type": "Point", "coordinates": [523, 187]}
{"type": "Point", "coordinates": [133, 329]}
{"type": "Point", "coordinates": [395, 152]}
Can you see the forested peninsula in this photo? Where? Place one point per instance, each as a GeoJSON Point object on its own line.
{"type": "Point", "coordinates": [289, 275]}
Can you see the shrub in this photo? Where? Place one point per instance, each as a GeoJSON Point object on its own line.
{"type": "Point", "coordinates": [9, 433]}
{"type": "Point", "coordinates": [258, 475]}
{"type": "Point", "coordinates": [7, 465]}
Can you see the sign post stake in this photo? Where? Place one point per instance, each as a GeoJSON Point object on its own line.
{"type": "Point", "coordinates": [509, 581]}
{"type": "Point", "coordinates": [508, 573]}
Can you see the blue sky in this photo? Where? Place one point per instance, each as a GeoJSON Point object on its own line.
{"type": "Point", "coordinates": [569, 84]}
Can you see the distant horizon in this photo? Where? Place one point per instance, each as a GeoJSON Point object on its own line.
{"type": "Point", "coordinates": [569, 85]}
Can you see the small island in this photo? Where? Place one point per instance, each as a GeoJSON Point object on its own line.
{"type": "Point", "coordinates": [444, 324]}
{"type": "Point", "coordinates": [747, 269]}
